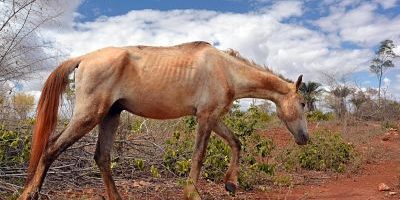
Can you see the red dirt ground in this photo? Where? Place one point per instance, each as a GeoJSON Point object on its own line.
{"type": "Point", "coordinates": [383, 167]}
{"type": "Point", "coordinates": [362, 186]}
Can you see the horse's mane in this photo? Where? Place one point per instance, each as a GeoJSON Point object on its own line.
{"type": "Point", "coordinates": [251, 63]}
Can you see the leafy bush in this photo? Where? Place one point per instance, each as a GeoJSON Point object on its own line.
{"type": "Point", "coordinates": [325, 151]}
{"type": "Point", "coordinates": [256, 151]}
{"type": "Point", "coordinates": [217, 159]}
{"type": "Point", "coordinates": [154, 172]}
{"type": "Point", "coordinates": [283, 180]}
{"type": "Point", "coordinates": [244, 124]}
{"type": "Point", "coordinates": [319, 116]}
{"type": "Point", "coordinates": [389, 124]}
{"type": "Point", "coordinates": [139, 164]}
{"type": "Point", "coordinates": [178, 152]}
{"type": "Point", "coordinates": [14, 147]}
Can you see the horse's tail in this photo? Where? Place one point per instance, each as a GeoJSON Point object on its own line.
{"type": "Point", "coordinates": [47, 110]}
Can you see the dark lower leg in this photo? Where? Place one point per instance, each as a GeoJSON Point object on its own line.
{"type": "Point", "coordinates": [107, 129]}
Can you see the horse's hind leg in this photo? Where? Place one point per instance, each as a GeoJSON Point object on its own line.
{"type": "Point", "coordinates": [81, 123]}
{"type": "Point", "coordinates": [107, 128]}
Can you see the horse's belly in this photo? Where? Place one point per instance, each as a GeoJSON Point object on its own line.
{"type": "Point", "coordinates": [163, 94]}
{"type": "Point", "coordinates": [158, 108]}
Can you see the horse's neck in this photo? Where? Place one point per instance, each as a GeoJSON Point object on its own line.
{"type": "Point", "coordinates": [250, 82]}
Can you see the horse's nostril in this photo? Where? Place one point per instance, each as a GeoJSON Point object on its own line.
{"type": "Point", "coordinates": [302, 138]}
{"type": "Point", "coordinates": [306, 137]}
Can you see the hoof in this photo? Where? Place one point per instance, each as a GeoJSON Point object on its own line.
{"type": "Point", "coordinates": [99, 197]}
{"type": "Point", "coordinates": [190, 193]}
{"type": "Point", "coordinates": [230, 187]}
{"type": "Point", "coordinates": [29, 196]}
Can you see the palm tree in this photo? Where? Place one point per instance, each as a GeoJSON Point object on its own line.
{"type": "Point", "coordinates": [340, 93]}
{"type": "Point", "coordinates": [358, 99]}
{"type": "Point", "coordinates": [310, 92]}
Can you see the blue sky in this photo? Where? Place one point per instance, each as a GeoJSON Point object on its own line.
{"type": "Point", "coordinates": [90, 10]}
{"type": "Point", "coordinates": [317, 38]}
{"type": "Point", "coordinates": [94, 8]}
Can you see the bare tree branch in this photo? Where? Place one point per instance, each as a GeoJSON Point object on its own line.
{"type": "Point", "coordinates": [22, 50]}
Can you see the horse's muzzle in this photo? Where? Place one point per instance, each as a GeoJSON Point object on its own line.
{"type": "Point", "coordinates": [302, 138]}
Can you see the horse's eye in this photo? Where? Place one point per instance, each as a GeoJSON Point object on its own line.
{"type": "Point", "coordinates": [303, 105]}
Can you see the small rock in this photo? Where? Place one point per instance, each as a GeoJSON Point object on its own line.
{"type": "Point", "coordinates": [99, 197]}
{"type": "Point", "coordinates": [385, 138]}
{"type": "Point", "coordinates": [392, 193]}
{"type": "Point", "coordinates": [136, 184]}
{"type": "Point", "coordinates": [144, 183]}
{"type": "Point", "coordinates": [383, 187]}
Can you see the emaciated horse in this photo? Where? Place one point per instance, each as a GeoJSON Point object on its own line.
{"type": "Point", "coordinates": [161, 83]}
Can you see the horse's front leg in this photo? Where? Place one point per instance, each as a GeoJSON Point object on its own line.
{"type": "Point", "coordinates": [203, 134]}
{"type": "Point", "coordinates": [231, 175]}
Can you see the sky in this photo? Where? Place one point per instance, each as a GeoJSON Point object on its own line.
{"type": "Point", "coordinates": [316, 38]}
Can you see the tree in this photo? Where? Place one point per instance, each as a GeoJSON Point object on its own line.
{"type": "Point", "coordinates": [23, 104]}
{"type": "Point", "coordinates": [357, 99]}
{"type": "Point", "coordinates": [310, 92]}
{"type": "Point", "coordinates": [340, 93]}
{"type": "Point", "coordinates": [22, 51]}
{"type": "Point", "coordinates": [266, 106]}
{"type": "Point", "coordinates": [383, 60]}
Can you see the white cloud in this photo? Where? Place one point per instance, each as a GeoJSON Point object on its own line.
{"type": "Point", "coordinates": [396, 50]}
{"type": "Point", "coordinates": [386, 82]}
{"type": "Point", "coordinates": [285, 9]}
{"type": "Point", "coordinates": [386, 4]}
{"type": "Point", "coordinates": [361, 25]}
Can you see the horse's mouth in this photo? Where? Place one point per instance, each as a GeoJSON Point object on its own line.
{"type": "Point", "coordinates": [301, 138]}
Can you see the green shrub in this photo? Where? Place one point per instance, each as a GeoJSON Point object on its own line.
{"type": "Point", "coordinates": [182, 167]}
{"type": "Point", "coordinates": [325, 151]}
{"type": "Point", "coordinates": [14, 147]}
{"type": "Point", "coordinates": [139, 164]}
{"type": "Point", "coordinates": [319, 116]}
{"type": "Point", "coordinates": [283, 180]}
{"type": "Point", "coordinates": [136, 125]}
{"type": "Point", "coordinates": [244, 124]}
{"type": "Point", "coordinates": [389, 124]}
{"type": "Point", "coordinates": [217, 159]}
{"type": "Point", "coordinates": [255, 167]}
{"type": "Point", "coordinates": [178, 152]}
{"type": "Point", "coordinates": [256, 151]}
{"type": "Point", "coordinates": [154, 172]}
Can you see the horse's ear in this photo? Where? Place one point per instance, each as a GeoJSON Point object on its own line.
{"type": "Point", "coordinates": [298, 82]}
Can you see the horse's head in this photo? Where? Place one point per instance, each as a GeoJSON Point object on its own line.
{"type": "Point", "coordinates": [290, 109]}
